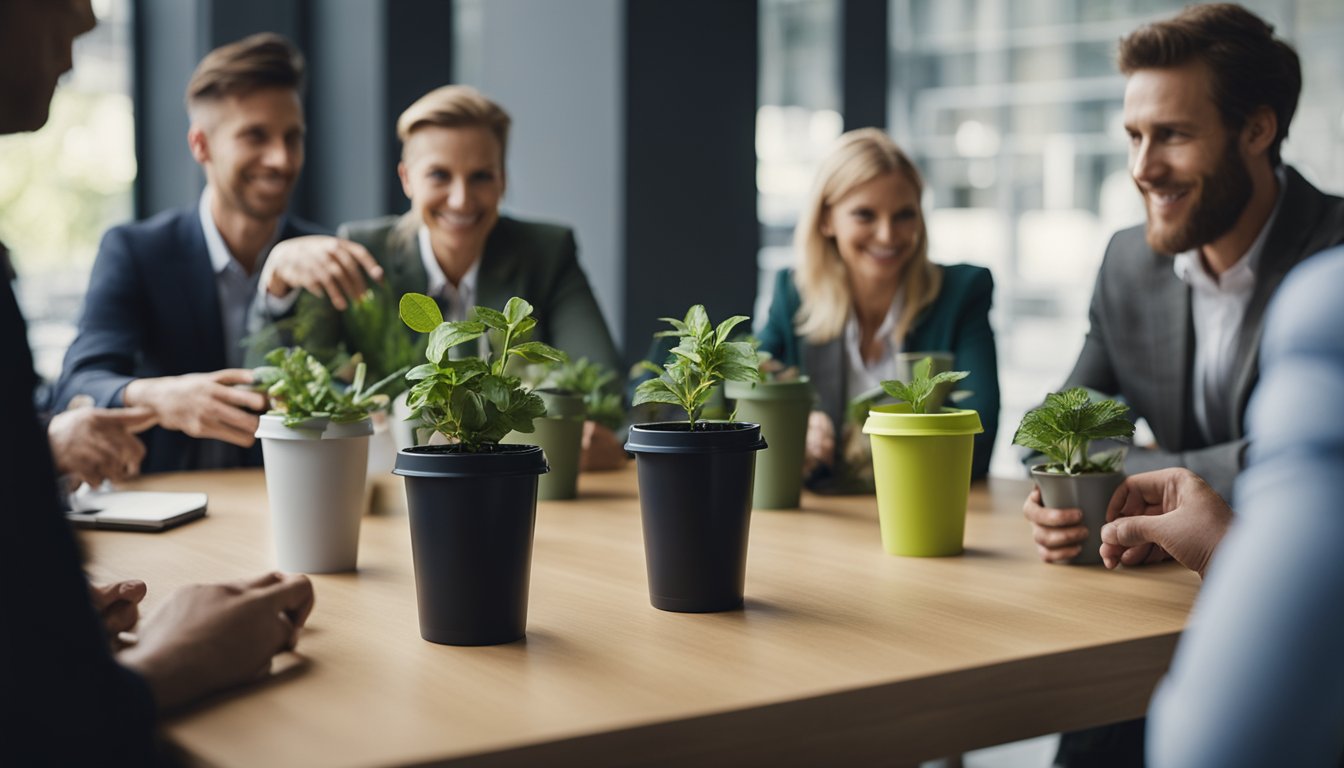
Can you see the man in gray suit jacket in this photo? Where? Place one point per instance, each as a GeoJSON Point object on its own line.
{"type": "Point", "coordinates": [1177, 310]}
{"type": "Point", "coordinates": [1176, 313]}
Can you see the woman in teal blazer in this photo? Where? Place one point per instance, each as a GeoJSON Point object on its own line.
{"type": "Point", "coordinates": [864, 291]}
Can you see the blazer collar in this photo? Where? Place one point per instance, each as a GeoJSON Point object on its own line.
{"type": "Point", "coordinates": [195, 276]}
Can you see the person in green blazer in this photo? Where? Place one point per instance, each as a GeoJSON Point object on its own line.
{"type": "Point", "coordinates": [864, 291]}
{"type": "Point", "coordinates": [453, 245]}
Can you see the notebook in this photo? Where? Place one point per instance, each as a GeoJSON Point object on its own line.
{"type": "Point", "coordinates": [135, 510]}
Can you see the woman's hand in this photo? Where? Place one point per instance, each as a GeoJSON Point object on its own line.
{"type": "Point", "coordinates": [820, 451]}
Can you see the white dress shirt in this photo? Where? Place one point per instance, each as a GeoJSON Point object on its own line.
{"type": "Point", "coordinates": [461, 298]}
{"type": "Point", "coordinates": [864, 376]}
{"type": "Point", "coordinates": [1218, 304]}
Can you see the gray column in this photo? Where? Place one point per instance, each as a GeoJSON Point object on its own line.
{"type": "Point", "coordinates": [556, 67]}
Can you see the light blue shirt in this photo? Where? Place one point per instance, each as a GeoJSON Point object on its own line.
{"type": "Point", "coordinates": [1258, 678]}
{"type": "Point", "coordinates": [237, 289]}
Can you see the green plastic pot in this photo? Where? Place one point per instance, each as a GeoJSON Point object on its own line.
{"type": "Point", "coordinates": [560, 435]}
{"type": "Point", "coordinates": [922, 469]}
{"type": "Point", "coordinates": [781, 408]}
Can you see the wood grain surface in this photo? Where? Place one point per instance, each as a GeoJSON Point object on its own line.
{"type": "Point", "coordinates": [843, 655]}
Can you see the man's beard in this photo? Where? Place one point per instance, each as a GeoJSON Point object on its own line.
{"type": "Point", "coordinates": [1224, 195]}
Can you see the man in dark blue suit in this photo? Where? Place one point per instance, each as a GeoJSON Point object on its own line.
{"type": "Point", "coordinates": [168, 299]}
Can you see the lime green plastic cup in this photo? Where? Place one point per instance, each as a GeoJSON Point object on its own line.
{"type": "Point", "coordinates": [922, 468]}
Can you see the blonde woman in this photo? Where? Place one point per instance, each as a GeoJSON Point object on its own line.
{"type": "Point", "coordinates": [455, 245]}
{"type": "Point", "coordinates": [864, 290]}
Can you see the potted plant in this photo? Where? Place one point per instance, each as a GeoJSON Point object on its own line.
{"type": "Point", "coordinates": [922, 465]}
{"type": "Point", "coordinates": [695, 477]}
{"type": "Point", "coordinates": [780, 403]}
{"type": "Point", "coordinates": [315, 444]}
{"type": "Point", "coordinates": [473, 501]}
{"type": "Point", "coordinates": [1062, 429]}
{"type": "Point", "coordinates": [573, 391]}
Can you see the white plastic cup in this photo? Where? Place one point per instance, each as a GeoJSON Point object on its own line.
{"type": "Point", "coordinates": [315, 476]}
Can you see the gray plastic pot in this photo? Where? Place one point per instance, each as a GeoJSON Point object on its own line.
{"type": "Point", "coordinates": [559, 434]}
{"type": "Point", "coordinates": [1089, 492]}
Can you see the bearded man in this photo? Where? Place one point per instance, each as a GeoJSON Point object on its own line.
{"type": "Point", "coordinates": [1177, 311]}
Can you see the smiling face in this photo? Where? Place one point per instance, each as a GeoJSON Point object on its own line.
{"type": "Point", "coordinates": [454, 178]}
{"type": "Point", "coordinates": [1186, 163]}
{"type": "Point", "coordinates": [251, 147]}
{"type": "Point", "coordinates": [876, 228]}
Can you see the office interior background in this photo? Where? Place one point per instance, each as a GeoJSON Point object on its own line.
{"type": "Point", "coordinates": [678, 138]}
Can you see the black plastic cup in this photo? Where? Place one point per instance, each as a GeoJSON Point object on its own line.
{"type": "Point", "coordinates": [472, 516]}
{"type": "Point", "coordinates": [695, 502]}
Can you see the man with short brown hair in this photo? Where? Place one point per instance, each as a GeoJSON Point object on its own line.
{"type": "Point", "coordinates": [168, 299]}
{"type": "Point", "coordinates": [1177, 311]}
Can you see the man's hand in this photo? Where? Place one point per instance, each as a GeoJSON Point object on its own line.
{"type": "Point", "coordinates": [118, 604]}
{"type": "Point", "coordinates": [323, 266]}
{"type": "Point", "coordinates": [209, 637]}
{"type": "Point", "coordinates": [97, 444]}
{"type": "Point", "coordinates": [1170, 511]}
{"type": "Point", "coordinates": [202, 404]}
{"type": "Point", "coordinates": [820, 442]}
{"type": "Point", "coordinates": [1059, 533]}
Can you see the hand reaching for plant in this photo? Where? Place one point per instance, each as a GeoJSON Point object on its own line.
{"type": "Point", "coordinates": [202, 404]}
{"type": "Point", "coordinates": [1170, 512]}
{"type": "Point", "coordinates": [325, 266]}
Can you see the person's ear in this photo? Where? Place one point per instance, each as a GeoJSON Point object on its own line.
{"type": "Point", "coordinates": [198, 143]}
{"type": "Point", "coordinates": [1258, 134]}
{"type": "Point", "coordinates": [404, 174]}
{"type": "Point", "coordinates": [824, 223]}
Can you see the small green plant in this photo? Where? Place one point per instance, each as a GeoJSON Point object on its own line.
{"type": "Point", "coordinates": [471, 401]}
{"type": "Point", "coordinates": [702, 358]}
{"type": "Point", "coordinates": [921, 387]}
{"type": "Point", "coordinates": [301, 388]}
{"type": "Point", "coordinates": [591, 380]}
{"type": "Point", "coordinates": [1063, 426]}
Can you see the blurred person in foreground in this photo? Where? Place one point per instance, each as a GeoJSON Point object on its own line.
{"type": "Point", "coordinates": [863, 291]}
{"type": "Point", "coordinates": [453, 244]}
{"type": "Point", "coordinates": [1258, 678]}
{"type": "Point", "coordinates": [168, 298]}
{"type": "Point", "coordinates": [70, 699]}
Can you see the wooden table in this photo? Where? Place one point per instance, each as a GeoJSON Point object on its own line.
{"type": "Point", "coordinates": [843, 655]}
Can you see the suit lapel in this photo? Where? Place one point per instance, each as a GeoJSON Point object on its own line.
{"type": "Point", "coordinates": [1284, 248]}
{"type": "Point", "coordinates": [404, 268]}
{"type": "Point", "coordinates": [495, 282]}
{"type": "Point", "coordinates": [1171, 338]}
{"type": "Point", "coordinates": [196, 279]}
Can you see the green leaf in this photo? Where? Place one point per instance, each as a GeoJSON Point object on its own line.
{"type": "Point", "coordinates": [449, 335]}
{"type": "Point", "coordinates": [655, 391]}
{"type": "Point", "coordinates": [516, 309]}
{"type": "Point", "coordinates": [496, 390]}
{"type": "Point", "coordinates": [420, 312]}
{"type": "Point", "coordinates": [727, 326]}
{"type": "Point", "coordinates": [422, 371]}
{"type": "Point", "coordinates": [492, 318]}
{"type": "Point", "coordinates": [536, 352]}
{"type": "Point", "coordinates": [697, 320]}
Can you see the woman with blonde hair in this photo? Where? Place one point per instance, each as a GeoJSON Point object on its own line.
{"type": "Point", "coordinates": [453, 244]}
{"type": "Point", "coordinates": [864, 291]}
